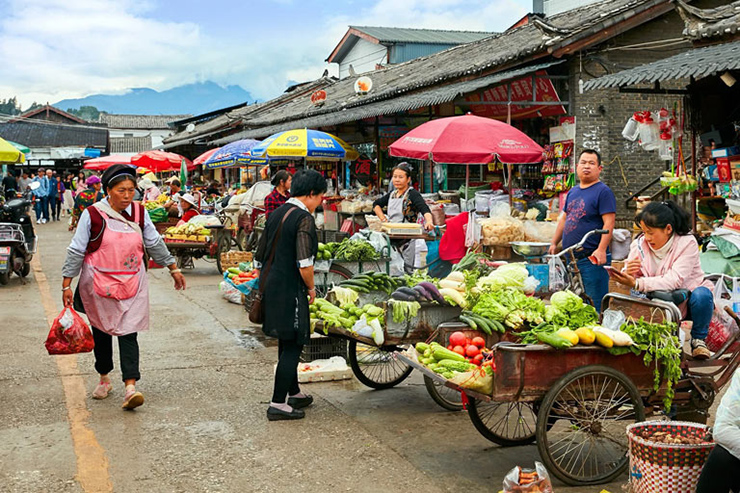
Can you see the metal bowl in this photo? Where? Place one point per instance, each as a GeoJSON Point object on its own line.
{"type": "Point", "coordinates": [529, 248]}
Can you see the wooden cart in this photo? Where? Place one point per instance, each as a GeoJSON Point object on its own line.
{"type": "Point", "coordinates": [185, 251]}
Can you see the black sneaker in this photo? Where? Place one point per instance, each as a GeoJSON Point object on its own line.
{"type": "Point", "coordinates": [300, 402]}
{"type": "Point", "coordinates": [275, 414]}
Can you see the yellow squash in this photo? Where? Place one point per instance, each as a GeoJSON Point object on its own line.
{"type": "Point", "coordinates": [586, 335]}
{"type": "Point", "coordinates": [568, 334]}
{"type": "Point", "coordinates": [604, 340]}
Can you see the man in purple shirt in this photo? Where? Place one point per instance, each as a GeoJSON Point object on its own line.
{"type": "Point", "coordinates": [589, 206]}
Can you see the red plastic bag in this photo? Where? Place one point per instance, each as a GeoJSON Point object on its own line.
{"type": "Point", "coordinates": [69, 334]}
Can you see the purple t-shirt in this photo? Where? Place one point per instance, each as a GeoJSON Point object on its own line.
{"type": "Point", "coordinates": [584, 208]}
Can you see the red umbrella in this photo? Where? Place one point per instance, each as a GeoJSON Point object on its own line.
{"type": "Point", "coordinates": [467, 139]}
{"type": "Point", "coordinates": [158, 161]}
{"type": "Point", "coordinates": [204, 157]}
{"type": "Point", "coordinates": [104, 162]}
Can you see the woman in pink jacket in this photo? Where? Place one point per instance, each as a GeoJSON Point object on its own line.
{"type": "Point", "coordinates": [666, 258]}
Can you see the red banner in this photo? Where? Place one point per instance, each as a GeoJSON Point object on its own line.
{"type": "Point", "coordinates": [521, 90]}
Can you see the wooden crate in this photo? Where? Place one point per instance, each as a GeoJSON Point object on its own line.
{"type": "Point", "coordinates": [233, 259]}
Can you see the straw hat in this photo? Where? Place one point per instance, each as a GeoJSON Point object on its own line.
{"type": "Point", "coordinates": [189, 199]}
{"type": "Point", "coordinates": [151, 177]}
{"type": "Point", "coordinates": [146, 183]}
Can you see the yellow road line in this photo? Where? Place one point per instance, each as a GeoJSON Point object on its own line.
{"type": "Point", "coordinates": [92, 462]}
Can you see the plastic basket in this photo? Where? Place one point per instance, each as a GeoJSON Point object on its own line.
{"type": "Point", "coordinates": [657, 467]}
{"type": "Point", "coordinates": [321, 347]}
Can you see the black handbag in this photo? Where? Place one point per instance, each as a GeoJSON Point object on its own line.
{"type": "Point", "coordinates": [256, 312]}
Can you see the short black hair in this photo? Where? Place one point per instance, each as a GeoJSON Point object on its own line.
{"type": "Point", "coordinates": [176, 183]}
{"type": "Point", "coordinates": [591, 151]}
{"type": "Point", "coordinates": [660, 214]}
{"type": "Point", "coordinates": [281, 175]}
{"type": "Point", "coordinates": [402, 167]}
{"type": "Point", "coordinates": [306, 182]}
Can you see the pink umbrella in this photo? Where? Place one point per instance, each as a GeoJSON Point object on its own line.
{"type": "Point", "coordinates": [105, 162]}
{"type": "Point", "coordinates": [158, 161]}
{"type": "Point", "coordinates": [205, 156]}
{"type": "Point", "coordinates": [467, 139]}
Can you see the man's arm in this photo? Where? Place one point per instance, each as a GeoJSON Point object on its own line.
{"type": "Point", "coordinates": [558, 233]}
{"type": "Point", "coordinates": [606, 240]}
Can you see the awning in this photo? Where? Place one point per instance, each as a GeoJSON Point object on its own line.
{"type": "Point", "coordinates": [697, 63]}
{"type": "Point", "coordinates": [431, 97]}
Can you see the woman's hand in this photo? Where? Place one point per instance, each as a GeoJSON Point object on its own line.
{"type": "Point", "coordinates": [68, 297]}
{"type": "Point", "coordinates": [428, 225]}
{"type": "Point", "coordinates": [311, 296]}
{"type": "Point", "coordinates": [623, 278]}
{"type": "Point", "coordinates": [633, 267]}
{"type": "Point", "coordinates": [179, 280]}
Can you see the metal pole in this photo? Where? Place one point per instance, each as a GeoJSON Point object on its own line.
{"type": "Point", "coordinates": [467, 184]}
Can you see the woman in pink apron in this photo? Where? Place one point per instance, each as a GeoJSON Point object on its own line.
{"type": "Point", "coordinates": [107, 252]}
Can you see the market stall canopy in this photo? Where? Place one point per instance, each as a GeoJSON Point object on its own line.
{"type": "Point", "coordinates": [20, 147]}
{"type": "Point", "coordinates": [10, 154]}
{"type": "Point", "coordinates": [305, 143]}
{"type": "Point", "coordinates": [467, 139]}
{"type": "Point", "coordinates": [235, 154]}
{"type": "Point", "coordinates": [205, 156]}
{"type": "Point", "coordinates": [105, 162]}
{"type": "Point", "coordinates": [158, 161]}
{"type": "Point", "coordinates": [697, 63]}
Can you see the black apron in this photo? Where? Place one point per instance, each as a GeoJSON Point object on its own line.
{"type": "Point", "coordinates": [285, 298]}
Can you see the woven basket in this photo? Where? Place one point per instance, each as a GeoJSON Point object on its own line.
{"type": "Point", "coordinates": [233, 259]}
{"type": "Point", "coordinates": [657, 467]}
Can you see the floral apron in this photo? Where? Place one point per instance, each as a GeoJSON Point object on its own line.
{"type": "Point", "coordinates": [113, 284]}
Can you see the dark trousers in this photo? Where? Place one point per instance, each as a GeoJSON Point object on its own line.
{"type": "Point", "coordinates": [720, 473]}
{"type": "Point", "coordinates": [129, 352]}
{"type": "Point", "coordinates": [56, 211]}
{"type": "Point", "coordinates": [53, 205]}
{"type": "Point", "coordinates": [286, 376]}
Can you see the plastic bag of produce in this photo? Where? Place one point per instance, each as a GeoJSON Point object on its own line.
{"type": "Point", "coordinates": [535, 480]}
{"type": "Point", "coordinates": [158, 215]}
{"type": "Point", "coordinates": [557, 274]}
{"type": "Point", "coordinates": [722, 325]}
{"type": "Point", "coordinates": [477, 380]}
{"type": "Point", "coordinates": [230, 293]}
{"type": "Point", "coordinates": [69, 334]}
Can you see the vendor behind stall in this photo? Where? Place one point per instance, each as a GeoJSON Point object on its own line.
{"type": "Point", "coordinates": [280, 194]}
{"type": "Point", "coordinates": [189, 207]}
{"type": "Point", "coordinates": [666, 258]}
{"type": "Point", "coordinates": [404, 204]}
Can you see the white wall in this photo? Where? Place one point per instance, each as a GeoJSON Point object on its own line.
{"type": "Point", "coordinates": [363, 56]}
{"type": "Point", "coordinates": [556, 6]}
{"type": "Point", "coordinates": [158, 135]}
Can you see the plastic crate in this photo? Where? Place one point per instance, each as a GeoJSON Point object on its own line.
{"type": "Point", "coordinates": [321, 347]}
{"type": "Point", "coordinates": [328, 236]}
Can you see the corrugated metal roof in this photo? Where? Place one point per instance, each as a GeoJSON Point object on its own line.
{"type": "Point", "coordinates": [408, 35]}
{"type": "Point", "coordinates": [699, 62]}
{"type": "Point", "coordinates": [51, 135]}
{"type": "Point", "coordinates": [408, 102]}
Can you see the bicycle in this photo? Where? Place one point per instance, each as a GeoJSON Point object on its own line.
{"type": "Point", "coordinates": [571, 273]}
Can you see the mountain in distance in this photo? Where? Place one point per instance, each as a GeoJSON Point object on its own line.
{"type": "Point", "coordinates": [194, 99]}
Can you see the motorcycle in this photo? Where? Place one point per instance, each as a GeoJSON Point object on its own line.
{"type": "Point", "coordinates": [17, 239]}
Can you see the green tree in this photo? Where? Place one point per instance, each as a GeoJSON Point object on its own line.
{"type": "Point", "coordinates": [89, 113]}
{"type": "Point", "coordinates": [10, 106]}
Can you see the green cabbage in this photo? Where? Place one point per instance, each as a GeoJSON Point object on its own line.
{"type": "Point", "coordinates": [506, 276]}
{"type": "Point", "coordinates": [566, 301]}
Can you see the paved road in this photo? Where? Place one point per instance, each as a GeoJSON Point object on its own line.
{"type": "Point", "coordinates": [207, 376]}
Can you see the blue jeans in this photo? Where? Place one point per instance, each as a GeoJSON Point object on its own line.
{"type": "Point", "coordinates": [595, 279]}
{"type": "Point", "coordinates": [42, 208]}
{"type": "Point", "coordinates": [700, 310]}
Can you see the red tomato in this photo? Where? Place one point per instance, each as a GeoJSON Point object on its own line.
{"type": "Point", "coordinates": [472, 351]}
{"type": "Point", "coordinates": [459, 350]}
{"type": "Point", "coordinates": [478, 359]}
{"type": "Point", "coordinates": [457, 338]}
{"type": "Point", "coordinates": [450, 347]}
{"type": "Point", "coordinates": [479, 342]}
{"type": "Point", "coordinates": [467, 341]}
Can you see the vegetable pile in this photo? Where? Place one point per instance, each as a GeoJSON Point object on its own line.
{"type": "Point", "coordinates": [345, 316]}
{"type": "Point", "coordinates": [373, 281]}
{"type": "Point", "coordinates": [241, 274]}
{"type": "Point", "coordinates": [466, 362]}
{"type": "Point", "coordinates": [510, 307]}
{"type": "Point", "coordinates": [347, 250]}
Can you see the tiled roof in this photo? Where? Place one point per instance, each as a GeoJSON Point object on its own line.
{"type": "Point", "coordinates": [130, 144]}
{"type": "Point", "coordinates": [537, 40]}
{"type": "Point", "coordinates": [139, 121]}
{"type": "Point", "coordinates": [699, 62]}
{"type": "Point", "coordinates": [710, 23]}
{"type": "Point", "coordinates": [49, 108]}
{"type": "Point", "coordinates": [425, 36]}
{"type": "Point", "coordinates": [34, 134]}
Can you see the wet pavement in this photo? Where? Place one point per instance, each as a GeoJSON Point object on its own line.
{"type": "Point", "coordinates": [207, 378]}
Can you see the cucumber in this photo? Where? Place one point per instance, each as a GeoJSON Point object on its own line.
{"type": "Point", "coordinates": [554, 340]}
{"type": "Point", "coordinates": [469, 321]}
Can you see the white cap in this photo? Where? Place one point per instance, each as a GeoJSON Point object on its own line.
{"type": "Point", "coordinates": [187, 197]}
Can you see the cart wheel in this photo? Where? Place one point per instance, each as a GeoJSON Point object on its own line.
{"type": "Point", "coordinates": [26, 269]}
{"type": "Point", "coordinates": [588, 410]}
{"type": "Point", "coordinates": [324, 280]}
{"type": "Point", "coordinates": [505, 423]}
{"type": "Point", "coordinates": [4, 278]}
{"type": "Point", "coordinates": [443, 395]}
{"type": "Point", "coordinates": [241, 240]}
{"type": "Point", "coordinates": [252, 241]}
{"type": "Point", "coordinates": [376, 367]}
{"type": "Point", "coordinates": [224, 245]}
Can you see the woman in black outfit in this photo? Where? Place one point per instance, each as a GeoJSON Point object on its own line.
{"type": "Point", "coordinates": [289, 287]}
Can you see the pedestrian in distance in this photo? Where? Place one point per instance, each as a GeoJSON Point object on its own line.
{"type": "Point", "coordinates": [280, 194]}
{"type": "Point", "coordinates": [53, 193]}
{"type": "Point", "coordinates": [24, 182]}
{"type": "Point", "coordinates": [590, 205]}
{"type": "Point", "coordinates": [81, 183]}
{"type": "Point", "coordinates": [41, 196]}
{"type": "Point", "coordinates": [10, 185]}
{"type": "Point", "coordinates": [285, 257]}
{"type": "Point", "coordinates": [108, 253]}
{"type": "Point", "coordinates": [68, 200]}
{"type": "Point", "coordinates": [85, 199]}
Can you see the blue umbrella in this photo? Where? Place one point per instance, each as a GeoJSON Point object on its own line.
{"type": "Point", "coordinates": [233, 155]}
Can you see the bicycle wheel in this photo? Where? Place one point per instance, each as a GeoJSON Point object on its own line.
{"type": "Point", "coordinates": [224, 245]}
{"type": "Point", "coordinates": [323, 281]}
{"type": "Point", "coordinates": [444, 396]}
{"type": "Point", "coordinates": [505, 423]}
{"type": "Point", "coordinates": [588, 410]}
{"type": "Point", "coordinates": [376, 367]}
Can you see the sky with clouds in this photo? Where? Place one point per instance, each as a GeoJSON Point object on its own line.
{"type": "Point", "coordinates": [55, 49]}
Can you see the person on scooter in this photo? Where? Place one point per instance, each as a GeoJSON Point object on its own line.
{"type": "Point", "coordinates": [666, 258]}
{"type": "Point", "coordinates": [10, 185]}
{"type": "Point", "coordinates": [280, 194]}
